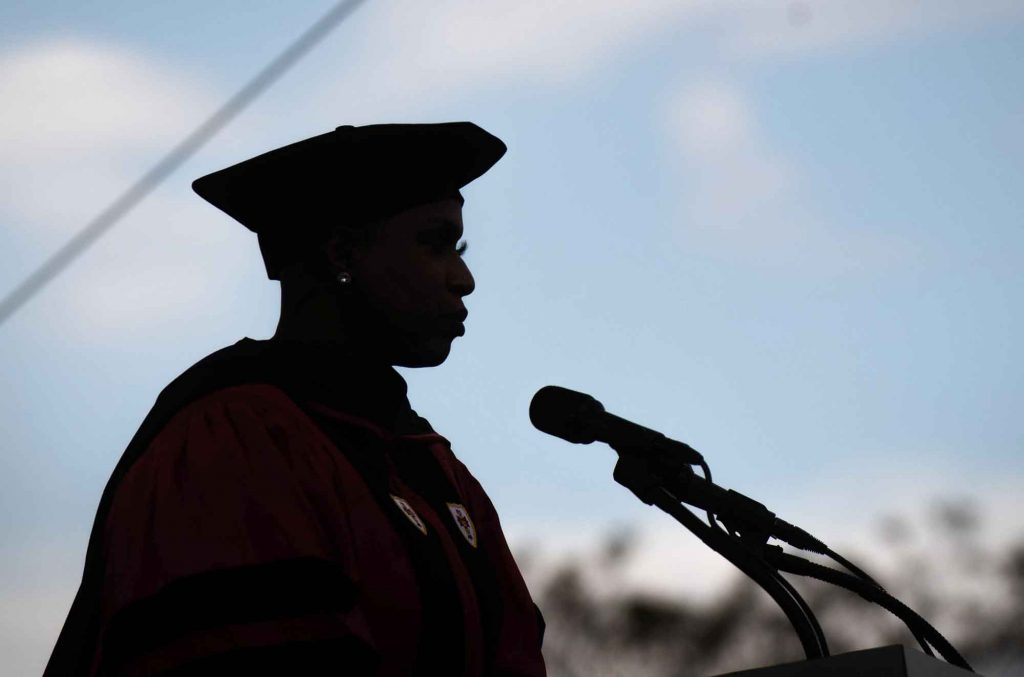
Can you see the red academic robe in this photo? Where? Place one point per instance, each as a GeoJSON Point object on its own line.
{"type": "Point", "coordinates": [263, 530]}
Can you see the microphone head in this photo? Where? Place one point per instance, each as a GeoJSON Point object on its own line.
{"type": "Point", "coordinates": [565, 413]}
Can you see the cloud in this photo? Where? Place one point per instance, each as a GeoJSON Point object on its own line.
{"type": "Point", "coordinates": [769, 28]}
{"type": "Point", "coordinates": [743, 191]}
{"type": "Point", "coordinates": [419, 52]}
{"type": "Point", "coordinates": [744, 199]}
{"type": "Point", "coordinates": [739, 175]}
{"type": "Point", "coordinates": [549, 42]}
{"type": "Point", "coordinates": [174, 261]}
{"type": "Point", "coordinates": [83, 118]}
{"type": "Point", "coordinates": [82, 121]}
{"type": "Point", "coordinates": [75, 96]}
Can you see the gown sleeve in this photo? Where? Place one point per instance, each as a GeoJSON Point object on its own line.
{"type": "Point", "coordinates": [226, 549]}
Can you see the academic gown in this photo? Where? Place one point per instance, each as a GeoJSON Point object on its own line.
{"type": "Point", "coordinates": [283, 510]}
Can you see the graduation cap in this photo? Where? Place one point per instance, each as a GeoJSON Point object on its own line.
{"type": "Point", "coordinates": [292, 196]}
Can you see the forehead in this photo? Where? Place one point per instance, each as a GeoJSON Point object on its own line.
{"type": "Point", "coordinates": [428, 215]}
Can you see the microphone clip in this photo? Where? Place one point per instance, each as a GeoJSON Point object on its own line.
{"type": "Point", "coordinates": [646, 470]}
{"type": "Point", "coordinates": [633, 472]}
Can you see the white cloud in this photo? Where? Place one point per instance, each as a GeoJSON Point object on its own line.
{"type": "Point", "coordinates": [744, 198]}
{"type": "Point", "coordinates": [422, 52]}
{"type": "Point", "coordinates": [747, 194]}
{"type": "Point", "coordinates": [755, 30]}
{"type": "Point", "coordinates": [714, 119]}
{"type": "Point", "coordinates": [77, 112]}
{"type": "Point", "coordinates": [74, 97]}
{"type": "Point", "coordinates": [82, 121]}
{"type": "Point", "coordinates": [548, 42]}
{"type": "Point", "coordinates": [175, 259]}
{"type": "Point", "coordinates": [742, 193]}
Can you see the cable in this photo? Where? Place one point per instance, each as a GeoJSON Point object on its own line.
{"type": "Point", "coordinates": [799, 614]}
{"type": "Point", "coordinates": [635, 472]}
{"type": "Point", "coordinates": [706, 469]}
{"type": "Point", "coordinates": [174, 159]}
{"type": "Point", "coordinates": [849, 566]}
{"type": "Point", "coordinates": [917, 624]}
{"type": "Point", "coordinates": [861, 574]}
{"type": "Point", "coordinates": [804, 607]}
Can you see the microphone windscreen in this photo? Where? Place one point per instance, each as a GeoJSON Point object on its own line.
{"type": "Point", "coordinates": [565, 413]}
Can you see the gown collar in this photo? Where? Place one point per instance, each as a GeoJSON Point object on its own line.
{"type": "Point", "coordinates": [332, 375]}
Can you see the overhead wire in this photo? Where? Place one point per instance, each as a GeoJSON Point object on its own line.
{"type": "Point", "coordinates": [180, 153]}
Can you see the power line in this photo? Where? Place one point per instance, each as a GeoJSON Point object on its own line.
{"type": "Point", "coordinates": [174, 159]}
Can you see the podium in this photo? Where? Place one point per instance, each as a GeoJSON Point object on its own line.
{"type": "Point", "coordinates": [886, 661]}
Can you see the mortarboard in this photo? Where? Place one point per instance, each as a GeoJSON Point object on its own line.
{"type": "Point", "coordinates": [291, 197]}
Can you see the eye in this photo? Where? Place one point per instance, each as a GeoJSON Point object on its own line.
{"type": "Point", "coordinates": [443, 239]}
{"type": "Point", "coordinates": [446, 245]}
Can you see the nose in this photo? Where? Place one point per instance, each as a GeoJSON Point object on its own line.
{"type": "Point", "coordinates": [460, 280]}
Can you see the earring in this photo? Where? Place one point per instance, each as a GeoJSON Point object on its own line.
{"type": "Point", "coordinates": [344, 278]}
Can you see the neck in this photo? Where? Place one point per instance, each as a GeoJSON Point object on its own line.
{"type": "Point", "coordinates": [311, 314]}
{"type": "Point", "coordinates": [314, 320]}
{"type": "Point", "coordinates": [309, 311]}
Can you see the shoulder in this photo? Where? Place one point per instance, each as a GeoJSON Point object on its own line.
{"type": "Point", "coordinates": [231, 516]}
{"type": "Point", "coordinates": [262, 404]}
{"type": "Point", "coordinates": [247, 443]}
{"type": "Point", "coordinates": [254, 417]}
{"type": "Point", "coordinates": [235, 477]}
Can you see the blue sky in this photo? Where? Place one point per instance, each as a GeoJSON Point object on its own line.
{"type": "Point", "coordinates": [787, 233]}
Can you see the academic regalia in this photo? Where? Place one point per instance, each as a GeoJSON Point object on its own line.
{"type": "Point", "coordinates": [282, 509]}
{"type": "Point", "coordinates": [283, 504]}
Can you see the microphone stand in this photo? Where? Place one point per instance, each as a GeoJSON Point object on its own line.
{"type": "Point", "coordinates": [753, 518]}
{"type": "Point", "coordinates": [667, 481]}
{"type": "Point", "coordinates": [634, 471]}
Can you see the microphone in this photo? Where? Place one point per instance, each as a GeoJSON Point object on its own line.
{"type": "Point", "coordinates": [579, 418]}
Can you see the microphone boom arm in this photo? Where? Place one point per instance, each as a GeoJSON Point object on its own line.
{"type": "Point", "coordinates": [651, 477]}
{"type": "Point", "coordinates": [632, 472]}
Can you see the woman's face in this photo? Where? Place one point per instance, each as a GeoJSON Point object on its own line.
{"type": "Point", "coordinates": [411, 278]}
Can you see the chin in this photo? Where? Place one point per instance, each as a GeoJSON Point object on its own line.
{"type": "Point", "coordinates": [429, 354]}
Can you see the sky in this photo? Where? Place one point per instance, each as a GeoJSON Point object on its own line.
{"type": "Point", "coordinates": [788, 233]}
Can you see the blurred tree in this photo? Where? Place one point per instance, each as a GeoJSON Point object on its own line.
{"type": "Point", "coordinates": [951, 582]}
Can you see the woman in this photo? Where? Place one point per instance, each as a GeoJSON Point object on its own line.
{"type": "Point", "coordinates": [282, 509]}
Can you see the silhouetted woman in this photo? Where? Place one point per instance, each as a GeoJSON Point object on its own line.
{"type": "Point", "coordinates": [283, 510]}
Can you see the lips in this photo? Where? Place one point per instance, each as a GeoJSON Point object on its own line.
{"type": "Point", "coordinates": [454, 323]}
{"type": "Point", "coordinates": [460, 315]}
{"type": "Point", "coordinates": [453, 327]}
